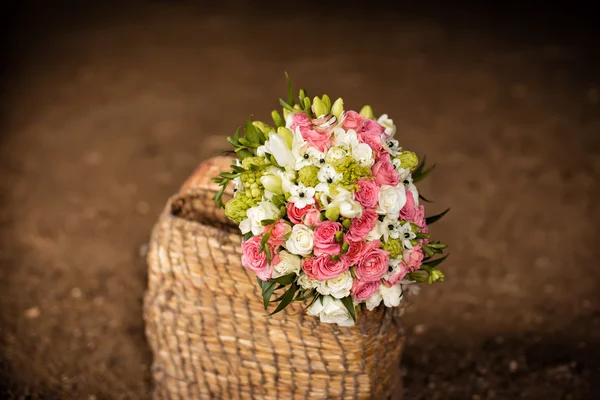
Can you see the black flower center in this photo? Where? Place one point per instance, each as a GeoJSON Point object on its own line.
{"type": "Point", "coordinates": [406, 235]}
{"type": "Point", "coordinates": [301, 195]}
{"type": "Point", "coordinates": [391, 144]}
{"type": "Point", "coordinates": [390, 227]}
{"type": "Point", "coordinates": [322, 161]}
{"type": "Point", "coordinates": [406, 182]}
{"type": "Point", "coordinates": [390, 268]}
{"type": "Point", "coordinates": [329, 180]}
{"type": "Point", "coordinates": [306, 156]}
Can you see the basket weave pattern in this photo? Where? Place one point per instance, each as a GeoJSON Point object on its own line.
{"type": "Point", "coordinates": [209, 332]}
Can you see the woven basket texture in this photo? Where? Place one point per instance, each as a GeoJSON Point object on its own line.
{"type": "Point", "coordinates": [209, 332]}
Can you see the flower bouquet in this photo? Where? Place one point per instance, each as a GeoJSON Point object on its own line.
{"type": "Point", "coordinates": [330, 215]}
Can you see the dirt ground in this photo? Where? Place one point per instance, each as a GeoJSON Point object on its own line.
{"type": "Point", "coordinates": [107, 109]}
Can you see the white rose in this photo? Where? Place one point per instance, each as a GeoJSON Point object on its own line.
{"type": "Point", "coordinates": [391, 296]}
{"type": "Point", "coordinates": [288, 264]}
{"type": "Point", "coordinates": [363, 154]}
{"type": "Point", "coordinates": [305, 282]}
{"type": "Point", "coordinates": [337, 287]}
{"type": "Point", "coordinates": [335, 154]}
{"type": "Point", "coordinates": [264, 210]}
{"type": "Point", "coordinates": [391, 200]}
{"type": "Point", "coordinates": [374, 301]}
{"type": "Point", "coordinates": [300, 241]}
{"type": "Point", "coordinates": [331, 311]}
{"type": "Point", "coordinates": [388, 124]}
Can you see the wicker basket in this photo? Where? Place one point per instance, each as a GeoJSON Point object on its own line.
{"type": "Point", "coordinates": [209, 332]}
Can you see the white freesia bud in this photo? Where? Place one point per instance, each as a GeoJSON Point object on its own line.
{"type": "Point", "coordinates": [391, 296]}
{"type": "Point", "coordinates": [288, 264]}
{"type": "Point", "coordinates": [347, 206]}
{"type": "Point", "coordinates": [391, 200]}
{"type": "Point", "coordinates": [301, 240]}
{"type": "Point", "coordinates": [331, 311]}
{"type": "Point", "coordinates": [280, 150]}
{"type": "Point", "coordinates": [338, 287]}
{"type": "Point", "coordinates": [264, 210]}
{"type": "Point", "coordinates": [272, 183]}
{"type": "Point", "coordinates": [388, 124]}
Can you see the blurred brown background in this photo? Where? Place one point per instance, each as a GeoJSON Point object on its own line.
{"type": "Point", "coordinates": [106, 109]}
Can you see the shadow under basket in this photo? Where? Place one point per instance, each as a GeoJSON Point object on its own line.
{"type": "Point", "coordinates": [211, 337]}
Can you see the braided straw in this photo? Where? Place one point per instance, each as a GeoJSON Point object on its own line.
{"type": "Point", "coordinates": [211, 337]}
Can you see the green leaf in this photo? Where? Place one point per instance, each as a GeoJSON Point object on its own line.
{"type": "Point", "coordinates": [267, 291]}
{"type": "Point", "coordinates": [228, 175]}
{"type": "Point", "coordinates": [237, 169]}
{"type": "Point", "coordinates": [266, 222]}
{"type": "Point", "coordinates": [285, 279]}
{"type": "Point", "coordinates": [423, 198]}
{"type": "Point", "coordinates": [268, 253]}
{"type": "Point", "coordinates": [243, 153]}
{"type": "Point", "coordinates": [286, 105]}
{"type": "Point", "coordinates": [437, 245]}
{"type": "Point", "coordinates": [236, 136]}
{"type": "Point", "coordinates": [287, 298]}
{"type": "Point", "coordinates": [436, 262]}
{"type": "Point", "coordinates": [426, 250]}
{"type": "Point", "coordinates": [349, 304]}
{"type": "Point", "coordinates": [260, 282]}
{"type": "Point", "coordinates": [422, 174]}
{"type": "Point", "coordinates": [415, 276]}
{"type": "Point", "coordinates": [290, 90]}
{"type": "Point", "coordinates": [252, 134]}
{"type": "Point", "coordinates": [421, 235]}
{"type": "Point", "coordinates": [263, 241]}
{"type": "Point", "coordinates": [306, 296]}
{"type": "Point", "coordinates": [233, 141]}
{"type": "Point", "coordinates": [419, 168]}
{"type": "Point", "coordinates": [434, 218]}
{"type": "Point", "coordinates": [247, 236]}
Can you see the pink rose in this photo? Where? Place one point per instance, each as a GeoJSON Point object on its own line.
{"type": "Point", "coordinates": [413, 257]}
{"type": "Point", "coordinates": [368, 193]}
{"type": "Point", "coordinates": [255, 260]}
{"type": "Point", "coordinates": [385, 173]}
{"type": "Point", "coordinates": [354, 253]}
{"type": "Point", "coordinates": [394, 279]}
{"type": "Point", "coordinates": [352, 120]}
{"type": "Point", "coordinates": [360, 227]}
{"type": "Point", "coordinates": [419, 217]}
{"type": "Point", "coordinates": [308, 265]}
{"type": "Point", "coordinates": [370, 133]}
{"type": "Point", "coordinates": [372, 265]}
{"type": "Point", "coordinates": [278, 234]}
{"type": "Point", "coordinates": [300, 119]}
{"type": "Point", "coordinates": [312, 218]}
{"type": "Point", "coordinates": [295, 214]}
{"type": "Point", "coordinates": [324, 237]}
{"type": "Point", "coordinates": [363, 290]}
{"type": "Point", "coordinates": [316, 139]}
{"type": "Point", "coordinates": [408, 211]}
{"type": "Point", "coordinates": [325, 267]}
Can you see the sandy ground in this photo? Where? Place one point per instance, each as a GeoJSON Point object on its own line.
{"type": "Point", "coordinates": [107, 110]}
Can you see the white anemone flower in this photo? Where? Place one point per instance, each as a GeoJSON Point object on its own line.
{"type": "Point", "coordinates": [407, 181]}
{"type": "Point", "coordinates": [391, 145]}
{"type": "Point", "coordinates": [406, 235]}
{"type": "Point", "coordinates": [302, 195]}
{"type": "Point", "coordinates": [390, 228]}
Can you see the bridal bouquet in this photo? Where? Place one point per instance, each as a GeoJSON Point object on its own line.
{"type": "Point", "coordinates": [328, 208]}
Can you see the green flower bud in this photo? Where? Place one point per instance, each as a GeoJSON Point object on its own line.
{"type": "Point", "coordinates": [256, 192]}
{"type": "Point", "coordinates": [345, 247]}
{"type": "Point", "coordinates": [319, 108]}
{"type": "Point", "coordinates": [272, 183]}
{"type": "Point", "coordinates": [346, 223]}
{"type": "Point", "coordinates": [327, 102]}
{"type": "Point", "coordinates": [339, 236]}
{"type": "Point", "coordinates": [408, 160]}
{"type": "Point", "coordinates": [286, 134]}
{"type": "Point", "coordinates": [301, 95]}
{"type": "Point", "coordinates": [337, 108]}
{"type": "Point", "coordinates": [264, 128]}
{"type": "Point", "coordinates": [332, 213]}
{"type": "Point", "coordinates": [367, 112]}
{"type": "Point", "coordinates": [335, 257]}
{"type": "Point", "coordinates": [307, 103]}
{"type": "Point", "coordinates": [277, 120]}
{"type": "Point", "coordinates": [436, 275]}
{"type": "Point", "coordinates": [309, 175]}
